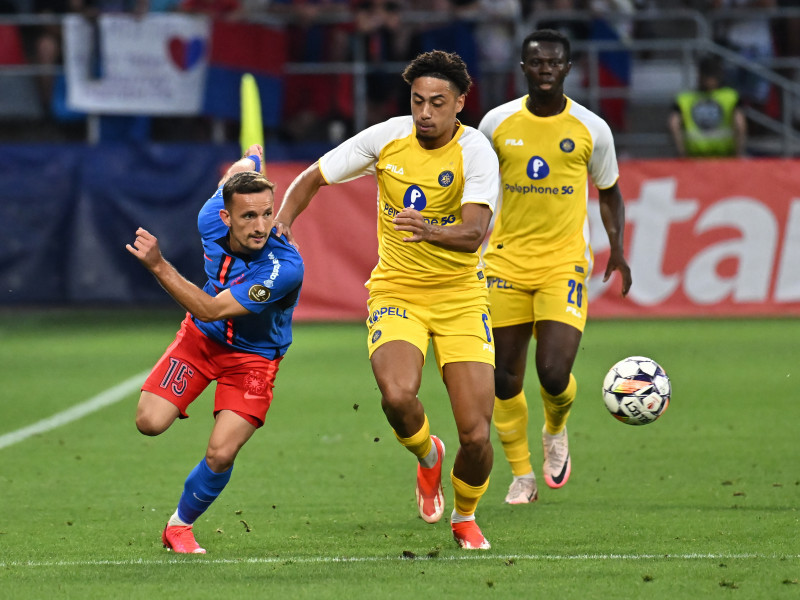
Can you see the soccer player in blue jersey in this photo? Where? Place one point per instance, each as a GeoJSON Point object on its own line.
{"type": "Point", "coordinates": [237, 329]}
{"type": "Point", "coordinates": [437, 186]}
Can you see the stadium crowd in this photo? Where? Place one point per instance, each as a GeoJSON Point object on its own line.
{"type": "Point", "coordinates": [319, 102]}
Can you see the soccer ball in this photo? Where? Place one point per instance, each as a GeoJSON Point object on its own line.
{"type": "Point", "coordinates": [636, 390]}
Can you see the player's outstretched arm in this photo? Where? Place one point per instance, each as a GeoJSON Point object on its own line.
{"type": "Point", "coordinates": [188, 295]}
{"type": "Point", "coordinates": [467, 236]}
{"type": "Point", "coordinates": [246, 163]}
{"type": "Point", "coordinates": [297, 198]}
{"type": "Point", "coordinates": [612, 212]}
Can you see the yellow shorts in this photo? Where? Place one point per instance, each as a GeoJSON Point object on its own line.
{"type": "Point", "coordinates": [563, 299]}
{"type": "Point", "coordinates": [457, 322]}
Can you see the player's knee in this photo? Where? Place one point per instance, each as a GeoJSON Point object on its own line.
{"type": "Point", "coordinates": [506, 385]}
{"type": "Point", "coordinates": [397, 396]}
{"type": "Point", "coordinates": [220, 458]}
{"type": "Point", "coordinates": [554, 379]}
{"type": "Point", "coordinates": [475, 442]}
{"type": "Point", "coordinates": [147, 425]}
{"type": "Point", "coordinates": [507, 381]}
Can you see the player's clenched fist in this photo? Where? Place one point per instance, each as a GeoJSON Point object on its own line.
{"type": "Point", "coordinates": [145, 248]}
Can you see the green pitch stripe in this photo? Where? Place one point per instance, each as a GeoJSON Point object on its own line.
{"type": "Point", "coordinates": [103, 399]}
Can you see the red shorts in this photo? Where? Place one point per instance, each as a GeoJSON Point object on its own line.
{"type": "Point", "coordinates": [244, 380]}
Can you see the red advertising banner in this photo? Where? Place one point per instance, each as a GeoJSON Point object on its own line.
{"type": "Point", "coordinates": [336, 235]}
{"type": "Point", "coordinates": [703, 238]}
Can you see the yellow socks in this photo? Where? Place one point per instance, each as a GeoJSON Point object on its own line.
{"type": "Point", "coordinates": [420, 443]}
{"type": "Point", "coordinates": [467, 496]}
{"type": "Point", "coordinates": [511, 422]}
{"type": "Point", "coordinates": [556, 408]}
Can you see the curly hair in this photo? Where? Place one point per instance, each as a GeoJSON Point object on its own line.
{"type": "Point", "coordinates": [442, 65]}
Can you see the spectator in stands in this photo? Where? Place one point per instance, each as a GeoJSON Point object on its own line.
{"type": "Point", "coordinates": [216, 9]}
{"type": "Point", "coordinates": [751, 36]}
{"type": "Point", "coordinates": [709, 121]}
{"type": "Point", "coordinates": [383, 37]}
{"type": "Point", "coordinates": [452, 28]}
{"type": "Point", "coordinates": [318, 32]}
{"type": "Point", "coordinates": [47, 43]}
{"type": "Point", "coordinates": [609, 23]}
{"type": "Point", "coordinates": [494, 28]}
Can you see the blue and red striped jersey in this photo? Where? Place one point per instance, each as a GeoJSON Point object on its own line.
{"type": "Point", "coordinates": [267, 283]}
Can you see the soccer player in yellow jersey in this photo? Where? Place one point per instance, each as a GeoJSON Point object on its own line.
{"type": "Point", "coordinates": [437, 188]}
{"type": "Point", "coordinates": [538, 257]}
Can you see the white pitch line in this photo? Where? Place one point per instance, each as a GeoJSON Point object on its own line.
{"type": "Point", "coordinates": [289, 560]}
{"type": "Point", "coordinates": [101, 400]}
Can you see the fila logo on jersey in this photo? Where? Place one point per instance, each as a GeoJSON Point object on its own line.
{"type": "Point", "coordinates": [414, 198]}
{"type": "Point", "coordinates": [537, 168]}
{"type": "Point", "coordinates": [514, 143]}
{"type": "Point", "coordinates": [396, 169]}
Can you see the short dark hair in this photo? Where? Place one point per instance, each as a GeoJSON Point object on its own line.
{"type": "Point", "coordinates": [442, 65]}
{"type": "Point", "coordinates": [547, 35]}
{"type": "Point", "coordinates": [245, 182]}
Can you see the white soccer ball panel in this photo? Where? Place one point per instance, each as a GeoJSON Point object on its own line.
{"type": "Point", "coordinates": [662, 385]}
{"type": "Point", "coordinates": [626, 368]}
{"type": "Point", "coordinates": [648, 366]}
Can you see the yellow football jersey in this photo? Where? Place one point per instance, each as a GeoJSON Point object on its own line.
{"type": "Point", "coordinates": [434, 182]}
{"type": "Point", "coordinates": [542, 224]}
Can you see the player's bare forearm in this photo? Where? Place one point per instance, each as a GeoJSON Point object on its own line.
{"type": "Point", "coordinates": [297, 198]}
{"type": "Point", "coordinates": [184, 292]}
{"type": "Point", "coordinates": [467, 236]}
{"type": "Point", "coordinates": [612, 213]}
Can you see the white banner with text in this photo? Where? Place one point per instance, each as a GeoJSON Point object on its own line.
{"type": "Point", "coordinates": [120, 64]}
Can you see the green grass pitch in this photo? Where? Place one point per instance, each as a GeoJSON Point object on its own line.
{"type": "Point", "coordinates": [701, 504]}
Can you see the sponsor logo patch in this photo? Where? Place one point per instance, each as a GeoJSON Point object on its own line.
{"type": "Point", "coordinates": [376, 335]}
{"type": "Point", "coordinates": [415, 198]}
{"type": "Point", "coordinates": [538, 168]}
{"type": "Point", "coordinates": [388, 311]}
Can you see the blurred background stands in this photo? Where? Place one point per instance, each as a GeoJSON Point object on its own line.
{"type": "Point", "coordinates": [344, 59]}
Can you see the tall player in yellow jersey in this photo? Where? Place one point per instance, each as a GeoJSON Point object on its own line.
{"type": "Point", "coordinates": [538, 257]}
{"type": "Point", "coordinates": [437, 188]}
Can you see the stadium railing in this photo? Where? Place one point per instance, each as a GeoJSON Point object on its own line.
{"type": "Point", "coordinates": [661, 48]}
